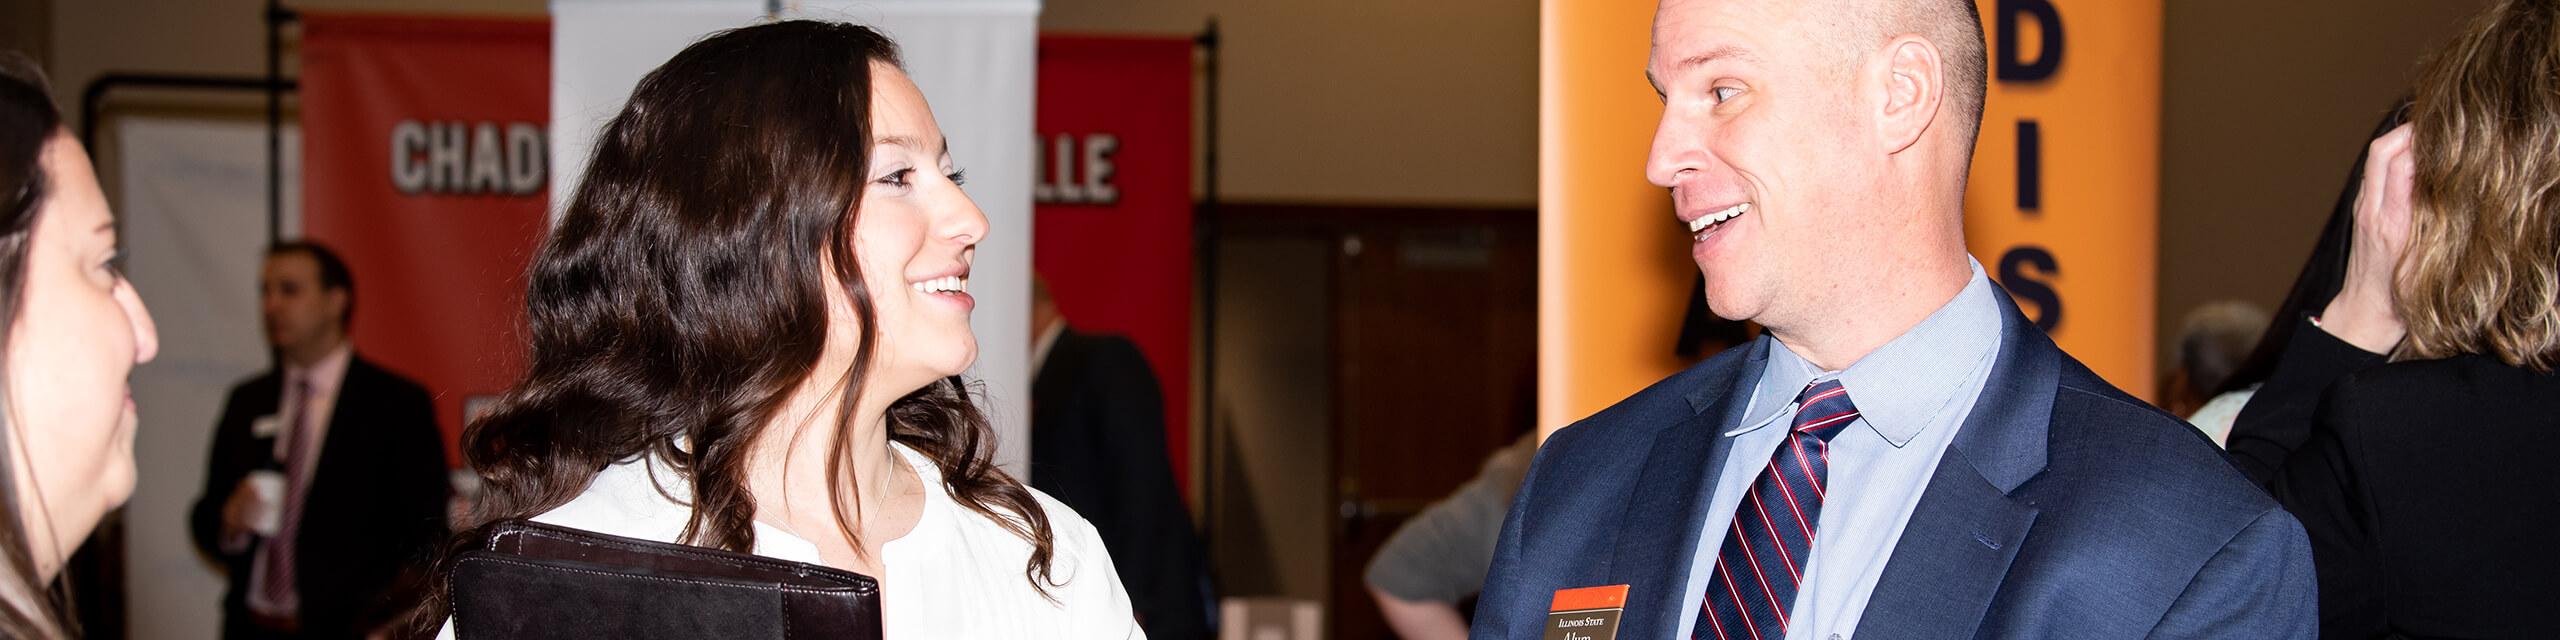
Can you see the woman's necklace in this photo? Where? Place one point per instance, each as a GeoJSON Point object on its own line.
{"type": "Point", "coordinates": [784, 522]}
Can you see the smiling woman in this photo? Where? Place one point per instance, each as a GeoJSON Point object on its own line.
{"type": "Point", "coordinates": [747, 333]}
{"type": "Point", "coordinates": [73, 331]}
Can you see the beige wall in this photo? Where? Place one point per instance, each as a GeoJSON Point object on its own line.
{"type": "Point", "coordinates": [1274, 481]}
{"type": "Point", "coordinates": [2267, 104]}
{"type": "Point", "coordinates": [26, 26]}
{"type": "Point", "coordinates": [1416, 101]}
{"type": "Point", "coordinates": [220, 37]}
{"type": "Point", "coordinates": [1381, 102]}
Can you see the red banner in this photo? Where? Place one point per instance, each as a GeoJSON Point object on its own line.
{"type": "Point", "coordinates": [424, 165]}
{"type": "Point", "coordinates": [1113, 214]}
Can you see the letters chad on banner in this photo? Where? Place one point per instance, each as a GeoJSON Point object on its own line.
{"type": "Point", "coordinates": [1112, 216]}
{"type": "Point", "coordinates": [424, 165]}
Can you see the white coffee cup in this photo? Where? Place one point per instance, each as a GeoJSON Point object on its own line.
{"type": "Point", "coordinates": [267, 516]}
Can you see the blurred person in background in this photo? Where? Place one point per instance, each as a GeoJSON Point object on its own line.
{"type": "Point", "coordinates": [747, 333]}
{"type": "Point", "coordinates": [1436, 561]}
{"type": "Point", "coordinates": [327, 474]}
{"type": "Point", "coordinates": [2426, 482]}
{"type": "Point", "coordinates": [1097, 444]}
{"type": "Point", "coordinates": [1426, 576]}
{"type": "Point", "coordinates": [2212, 340]}
{"type": "Point", "coordinates": [71, 331]}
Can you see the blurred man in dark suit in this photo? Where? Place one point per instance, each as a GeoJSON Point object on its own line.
{"type": "Point", "coordinates": [1097, 444]}
{"type": "Point", "coordinates": [327, 478]}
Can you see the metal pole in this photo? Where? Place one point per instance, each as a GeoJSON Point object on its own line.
{"type": "Point", "coordinates": [1205, 246]}
{"type": "Point", "coordinates": [277, 16]}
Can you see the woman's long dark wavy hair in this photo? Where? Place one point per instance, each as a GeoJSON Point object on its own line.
{"type": "Point", "coordinates": [29, 608]}
{"type": "Point", "coordinates": [680, 300]}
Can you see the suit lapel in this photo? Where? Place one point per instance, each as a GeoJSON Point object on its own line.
{"type": "Point", "coordinates": [1659, 537]}
{"type": "Point", "coordinates": [1965, 532]}
{"type": "Point", "coordinates": [1063, 369]}
{"type": "Point", "coordinates": [344, 438]}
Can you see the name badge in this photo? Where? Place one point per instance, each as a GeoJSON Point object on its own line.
{"type": "Point", "coordinates": [266, 426]}
{"type": "Point", "coordinates": [1589, 613]}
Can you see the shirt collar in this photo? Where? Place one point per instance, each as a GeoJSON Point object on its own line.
{"type": "Point", "coordinates": [1040, 346]}
{"type": "Point", "coordinates": [324, 375]}
{"type": "Point", "coordinates": [1901, 387]}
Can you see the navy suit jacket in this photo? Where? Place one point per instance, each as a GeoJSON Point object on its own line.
{"type": "Point", "coordinates": [2064, 509]}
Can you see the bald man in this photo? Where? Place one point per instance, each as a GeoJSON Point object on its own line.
{"type": "Point", "coordinates": [1902, 454]}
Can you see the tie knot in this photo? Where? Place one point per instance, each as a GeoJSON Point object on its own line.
{"type": "Point", "coordinates": [1824, 409]}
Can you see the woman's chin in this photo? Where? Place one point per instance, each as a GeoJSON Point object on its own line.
{"type": "Point", "coordinates": [913, 379]}
{"type": "Point", "coordinates": [958, 361]}
{"type": "Point", "coordinates": [951, 369]}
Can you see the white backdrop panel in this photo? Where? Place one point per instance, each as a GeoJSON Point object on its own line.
{"type": "Point", "coordinates": [599, 50]}
{"type": "Point", "coordinates": [977, 62]}
{"type": "Point", "coordinates": [194, 205]}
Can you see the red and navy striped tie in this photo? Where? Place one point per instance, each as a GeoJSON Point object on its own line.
{"type": "Point", "coordinates": [1762, 562]}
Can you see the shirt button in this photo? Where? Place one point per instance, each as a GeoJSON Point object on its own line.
{"type": "Point", "coordinates": [1835, 636]}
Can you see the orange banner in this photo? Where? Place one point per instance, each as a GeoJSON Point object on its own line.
{"type": "Point", "coordinates": [2063, 206]}
{"type": "Point", "coordinates": [1613, 271]}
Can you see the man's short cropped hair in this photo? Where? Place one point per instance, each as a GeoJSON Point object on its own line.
{"type": "Point", "coordinates": [333, 271]}
{"type": "Point", "coordinates": [1955, 26]}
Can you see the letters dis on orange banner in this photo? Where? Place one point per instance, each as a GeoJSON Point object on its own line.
{"type": "Point", "coordinates": [2063, 204]}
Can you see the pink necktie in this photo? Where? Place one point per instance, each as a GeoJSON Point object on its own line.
{"type": "Point", "coordinates": [275, 557]}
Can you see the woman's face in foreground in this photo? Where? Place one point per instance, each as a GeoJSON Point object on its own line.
{"type": "Point", "coordinates": [79, 332]}
{"type": "Point", "coordinates": [915, 235]}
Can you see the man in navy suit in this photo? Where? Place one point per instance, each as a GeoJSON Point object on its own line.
{"type": "Point", "coordinates": [1901, 454]}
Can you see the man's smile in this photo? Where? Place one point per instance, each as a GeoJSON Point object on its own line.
{"type": "Point", "coordinates": [1703, 226]}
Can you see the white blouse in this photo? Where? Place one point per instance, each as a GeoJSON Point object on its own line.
{"type": "Point", "coordinates": [958, 574]}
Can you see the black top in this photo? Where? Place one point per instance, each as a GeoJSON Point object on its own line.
{"type": "Point", "coordinates": [2278, 417]}
{"type": "Point", "coordinates": [2431, 498]}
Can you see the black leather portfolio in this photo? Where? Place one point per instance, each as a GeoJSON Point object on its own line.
{"type": "Point", "coordinates": [533, 580]}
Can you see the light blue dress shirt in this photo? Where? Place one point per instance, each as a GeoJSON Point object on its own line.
{"type": "Point", "coordinates": [1912, 395]}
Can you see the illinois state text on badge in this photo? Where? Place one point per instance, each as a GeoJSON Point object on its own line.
{"type": "Point", "coordinates": [1589, 613]}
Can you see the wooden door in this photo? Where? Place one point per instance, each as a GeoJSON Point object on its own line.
{"type": "Point", "coordinates": [1430, 315]}
{"type": "Point", "coordinates": [1436, 327]}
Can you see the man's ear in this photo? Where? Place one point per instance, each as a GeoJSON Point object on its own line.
{"type": "Point", "coordinates": [1914, 86]}
{"type": "Point", "coordinates": [337, 300]}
